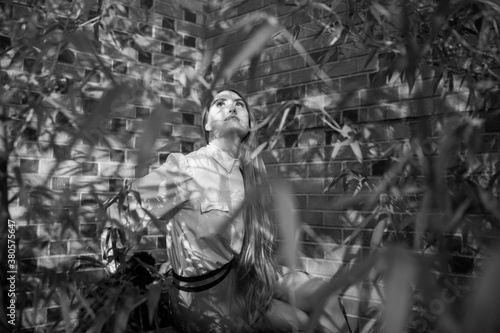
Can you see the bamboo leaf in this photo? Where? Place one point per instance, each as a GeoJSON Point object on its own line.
{"type": "Point", "coordinates": [481, 313]}
{"type": "Point", "coordinates": [154, 294]}
{"type": "Point", "coordinates": [336, 148]}
{"type": "Point", "coordinates": [335, 180]}
{"type": "Point", "coordinates": [65, 305]}
{"type": "Point", "coordinates": [357, 151]}
{"type": "Point", "coordinates": [258, 150]}
{"type": "Point", "coordinates": [234, 56]}
{"type": "Point", "coordinates": [288, 224]}
{"type": "Point", "coordinates": [436, 84]}
{"type": "Point", "coordinates": [398, 298]}
{"type": "Point", "coordinates": [151, 131]}
{"type": "Point", "coordinates": [372, 53]}
{"type": "Point", "coordinates": [125, 307]}
{"type": "Point", "coordinates": [336, 283]}
{"type": "Point", "coordinates": [295, 33]}
{"type": "Point", "coordinates": [378, 232]}
{"type": "Point", "coordinates": [360, 227]}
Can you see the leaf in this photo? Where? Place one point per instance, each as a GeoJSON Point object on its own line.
{"type": "Point", "coordinates": [360, 227]}
{"type": "Point", "coordinates": [372, 53]}
{"type": "Point", "coordinates": [288, 223]}
{"type": "Point", "coordinates": [91, 260]}
{"type": "Point", "coordinates": [151, 131]}
{"type": "Point", "coordinates": [104, 107]}
{"type": "Point", "coordinates": [80, 41]}
{"type": "Point", "coordinates": [295, 33]}
{"type": "Point", "coordinates": [154, 294]}
{"type": "Point", "coordinates": [125, 305]}
{"type": "Point", "coordinates": [357, 151]}
{"type": "Point", "coordinates": [283, 120]}
{"type": "Point", "coordinates": [65, 305]}
{"type": "Point", "coordinates": [358, 272]}
{"type": "Point", "coordinates": [378, 11]}
{"type": "Point", "coordinates": [397, 285]}
{"type": "Point", "coordinates": [336, 148]}
{"type": "Point", "coordinates": [450, 81]}
{"type": "Point", "coordinates": [378, 232]}
{"type": "Point", "coordinates": [436, 84]}
{"type": "Point", "coordinates": [410, 77]}
{"type": "Point", "coordinates": [258, 150]}
{"type": "Point", "coordinates": [334, 181]}
{"type": "Point", "coordinates": [234, 56]}
{"type": "Point", "coordinates": [481, 313]}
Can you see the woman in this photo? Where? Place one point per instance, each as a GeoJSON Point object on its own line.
{"type": "Point", "coordinates": [220, 245]}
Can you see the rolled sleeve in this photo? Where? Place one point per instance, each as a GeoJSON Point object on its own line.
{"type": "Point", "coordinates": [164, 189]}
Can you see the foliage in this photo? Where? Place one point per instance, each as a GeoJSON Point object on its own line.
{"type": "Point", "coordinates": [437, 200]}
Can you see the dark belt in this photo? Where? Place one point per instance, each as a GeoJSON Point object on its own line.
{"type": "Point", "coordinates": [200, 278]}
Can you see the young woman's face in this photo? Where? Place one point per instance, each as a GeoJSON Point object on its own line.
{"type": "Point", "coordinates": [227, 114]}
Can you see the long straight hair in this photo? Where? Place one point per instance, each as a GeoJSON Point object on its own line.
{"type": "Point", "coordinates": [256, 264]}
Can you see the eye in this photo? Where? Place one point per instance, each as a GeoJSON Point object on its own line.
{"type": "Point", "coordinates": [219, 103]}
{"type": "Point", "coordinates": [240, 104]}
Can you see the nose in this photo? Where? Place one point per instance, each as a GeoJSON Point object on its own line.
{"type": "Point", "coordinates": [232, 108]}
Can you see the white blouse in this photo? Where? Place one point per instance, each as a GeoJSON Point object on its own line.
{"type": "Point", "coordinates": [200, 194]}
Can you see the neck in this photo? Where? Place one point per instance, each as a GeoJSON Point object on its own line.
{"type": "Point", "coordinates": [230, 144]}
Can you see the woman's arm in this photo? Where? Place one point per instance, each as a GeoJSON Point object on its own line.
{"type": "Point", "coordinates": [159, 192]}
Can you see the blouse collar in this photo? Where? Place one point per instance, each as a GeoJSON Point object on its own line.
{"type": "Point", "coordinates": [223, 158]}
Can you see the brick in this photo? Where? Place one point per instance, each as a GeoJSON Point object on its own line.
{"type": "Point", "coordinates": [324, 235]}
{"type": "Point", "coordinates": [58, 248]}
{"type": "Point", "coordinates": [167, 63]}
{"type": "Point", "coordinates": [167, 9]}
{"type": "Point", "coordinates": [276, 156]}
{"type": "Point", "coordinates": [354, 82]}
{"type": "Point", "coordinates": [372, 65]}
{"type": "Point", "coordinates": [286, 65]}
{"type": "Point", "coordinates": [276, 81]}
{"type": "Point", "coordinates": [307, 186]}
{"type": "Point", "coordinates": [300, 201]}
{"type": "Point", "coordinates": [276, 52]}
{"type": "Point", "coordinates": [147, 243]}
{"type": "Point", "coordinates": [84, 246]}
{"type": "Point", "coordinates": [311, 139]}
{"type": "Point", "coordinates": [378, 95]}
{"type": "Point", "coordinates": [166, 35]}
{"type": "Point", "coordinates": [291, 93]}
{"type": "Point", "coordinates": [58, 263]}
{"type": "Point", "coordinates": [167, 49]}
{"type": "Point", "coordinates": [89, 230]}
{"type": "Point", "coordinates": [295, 170]}
{"type": "Point", "coordinates": [341, 68]}
{"type": "Point", "coordinates": [29, 166]}
{"type": "Point", "coordinates": [60, 183]}
{"type": "Point", "coordinates": [324, 56]}
{"type": "Point", "coordinates": [114, 169]}
{"type": "Point", "coordinates": [311, 217]}
{"type": "Point", "coordinates": [316, 202]}
{"type": "Point", "coordinates": [27, 266]}
{"type": "Point", "coordinates": [187, 147]}
{"type": "Point", "coordinates": [311, 250]}
{"type": "Point", "coordinates": [303, 155]}
{"type": "Point", "coordinates": [32, 317]}
{"type": "Point", "coordinates": [26, 233]}
{"type": "Point", "coordinates": [32, 249]}
{"type": "Point", "coordinates": [168, 89]}
{"type": "Point", "coordinates": [186, 131]}
{"type": "Point", "coordinates": [191, 29]}
{"type": "Point", "coordinates": [322, 267]}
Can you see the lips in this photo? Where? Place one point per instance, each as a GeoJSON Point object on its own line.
{"type": "Point", "coordinates": [232, 117]}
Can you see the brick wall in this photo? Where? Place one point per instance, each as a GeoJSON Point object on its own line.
{"type": "Point", "coordinates": [384, 114]}
{"type": "Point", "coordinates": [171, 36]}
{"type": "Point", "coordinates": [56, 216]}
